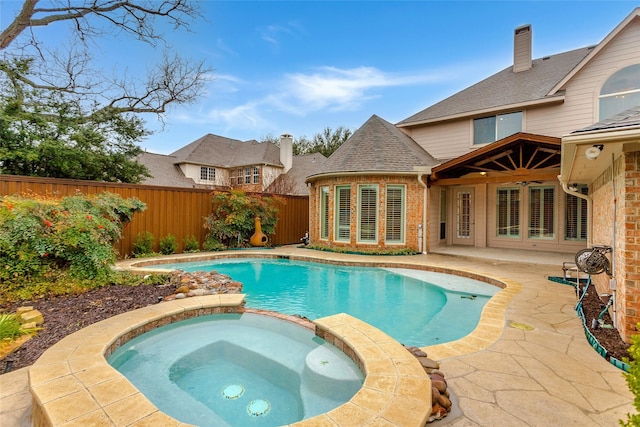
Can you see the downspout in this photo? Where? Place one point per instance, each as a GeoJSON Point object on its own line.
{"type": "Point", "coordinates": [423, 249]}
{"type": "Point", "coordinates": [589, 206]}
{"type": "Point", "coordinates": [612, 281]}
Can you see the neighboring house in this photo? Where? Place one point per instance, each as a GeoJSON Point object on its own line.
{"type": "Point", "coordinates": [217, 162]}
{"type": "Point", "coordinates": [492, 155]}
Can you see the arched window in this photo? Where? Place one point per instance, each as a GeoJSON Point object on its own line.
{"type": "Point", "coordinates": [620, 92]}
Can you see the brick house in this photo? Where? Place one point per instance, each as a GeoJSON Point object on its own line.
{"type": "Point", "coordinates": [218, 162]}
{"type": "Point", "coordinates": [370, 191]}
{"type": "Point", "coordinates": [606, 158]}
{"type": "Point", "coordinates": [492, 157]}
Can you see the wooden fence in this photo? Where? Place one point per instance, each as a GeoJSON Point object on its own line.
{"type": "Point", "coordinates": [177, 211]}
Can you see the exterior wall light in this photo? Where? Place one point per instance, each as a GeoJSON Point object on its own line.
{"type": "Point", "coordinates": [593, 152]}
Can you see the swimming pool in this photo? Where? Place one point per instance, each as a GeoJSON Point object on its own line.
{"type": "Point", "coordinates": [413, 306]}
{"type": "Point", "coordinates": [238, 369]}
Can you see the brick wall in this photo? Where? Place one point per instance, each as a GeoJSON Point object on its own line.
{"type": "Point", "coordinates": [624, 175]}
{"type": "Point", "coordinates": [414, 194]}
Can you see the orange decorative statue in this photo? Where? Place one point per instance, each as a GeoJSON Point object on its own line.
{"type": "Point", "coordinates": [258, 238]}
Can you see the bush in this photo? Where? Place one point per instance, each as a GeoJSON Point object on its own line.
{"type": "Point", "coordinates": [42, 235]}
{"type": "Point", "coordinates": [143, 244]}
{"type": "Point", "coordinates": [633, 381]}
{"type": "Point", "coordinates": [232, 221]}
{"type": "Point", "coordinates": [191, 244]}
{"type": "Point", "coordinates": [168, 245]}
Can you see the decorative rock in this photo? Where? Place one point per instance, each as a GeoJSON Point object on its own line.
{"type": "Point", "coordinates": [24, 309]}
{"type": "Point", "coordinates": [436, 377]}
{"type": "Point", "coordinates": [428, 363]}
{"type": "Point", "coordinates": [183, 290]}
{"type": "Point", "coordinates": [440, 401]}
{"type": "Point", "coordinates": [202, 283]}
{"type": "Point", "coordinates": [440, 385]}
{"type": "Point", "coordinates": [32, 316]}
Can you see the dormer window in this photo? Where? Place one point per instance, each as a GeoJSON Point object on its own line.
{"type": "Point", "coordinates": [620, 92]}
{"type": "Point", "coordinates": [207, 173]}
{"type": "Point", "coordinates": [493, 128]}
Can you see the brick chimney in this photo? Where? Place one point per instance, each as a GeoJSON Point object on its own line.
{"type": "Point", "coordinates": [286, 151]}
{"type": "Point", "coordinates": [522, 48]}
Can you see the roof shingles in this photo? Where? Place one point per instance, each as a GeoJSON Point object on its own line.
{"type": "Point", "coordinates": [377, 146]}
{"type": "Point", "coordinates": [505, 88]}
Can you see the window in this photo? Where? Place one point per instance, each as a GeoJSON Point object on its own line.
{"type": "Point", "coordinates": [207, 174]}
{"type": "Point", "coordinates": [239, 181]}
{"type": "Point", "coordinates": [247, 175]}
{"type": "Point", "coordinates": [576, 216]}
{"type": "Point", "coordinates": [395, 214]}
{"type": "Point", "coordinates": [494, 128]}
{"type": "Point", "coordinates": [541, 212]}
{"type": "Point", "coordinates": [443, 214]}
{"type": "Point", "coordinates": [343, 213]}
{"type": "Point", "coordinates": [324, 212]}
{"type": "Point", "coordinates": [232, 178]}
{"type": "Point", "coordinates": [508, 212]}
{"type": "Point", "coordinates": [256, 175]}
{"type": "Point", "coordinates": [368, 213]}
{"type": "Point", "coordinates": [620, 92]}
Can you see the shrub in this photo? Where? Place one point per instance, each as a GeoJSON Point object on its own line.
{"type": "Point", "coordinates": [41, 235]}
{"type": "Point", "coordinates": [191, 244]}
{"type": "Point", "coordinates": [11, 327]}
{"type": "Point", "coordinates": [232, 221]}
{"type": "Point", "coordinates": [168, 245]}
{"type": "Point", "coordinates": [143, 244]}
{"type": "Point", "coordinates": [633, 381]}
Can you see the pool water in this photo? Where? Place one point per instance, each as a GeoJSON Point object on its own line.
{"type": "Point", "coordinates": [238, 370]}
{"type": "Point", "coordinates": [415, 307]}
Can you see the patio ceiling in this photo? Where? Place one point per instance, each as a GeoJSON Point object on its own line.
{"type": "Point", "coordinates": [521, 157]}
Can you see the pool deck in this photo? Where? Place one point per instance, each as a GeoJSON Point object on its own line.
{"type": "Point", "coordinates": [527, 364]}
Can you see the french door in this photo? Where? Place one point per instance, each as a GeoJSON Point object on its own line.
{"type": "Point", "coordinates": [464, 222]}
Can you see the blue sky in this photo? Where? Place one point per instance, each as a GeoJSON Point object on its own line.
{"type": "Point", "coordinates": [301, 66]}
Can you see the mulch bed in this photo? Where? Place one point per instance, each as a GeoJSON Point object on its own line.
{"type": "Point", "coordinates": [67, 314]}
{"type": "Point", "coordinates": [609, 338]}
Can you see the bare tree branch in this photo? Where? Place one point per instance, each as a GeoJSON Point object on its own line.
{"type": "Point", "coordinates": [134, 17]}
{"type": "Point", "coordinates": [173, 81]}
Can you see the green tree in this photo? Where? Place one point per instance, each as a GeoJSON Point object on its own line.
{"type": "Point", "coordinates": [60, 114]}
{"type": "Point", "coordinates": [328, 141]}
{"type": "Point", "coordinates": [325, 142]}
{"type": "Point", "coordinates": [52, 138]}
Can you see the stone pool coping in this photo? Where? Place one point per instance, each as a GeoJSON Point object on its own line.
{"type": "Point", "coordinates": [72, 383]}
{"type": "Point", "coordinates": [490, 326]}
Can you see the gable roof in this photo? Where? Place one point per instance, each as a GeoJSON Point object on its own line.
{"type": "Point", "coordinates": [520, 154]}
{"type": "Point", "coordinates": [505, 90]}
{"type": "Point", "coordinates": [164, 171]}
{"type": "Point", "coordinates": [377, 146]}
{"type": "Point", "coordinates": [635, 14]}
{"type": "Point", "coordinates": [218, 151]}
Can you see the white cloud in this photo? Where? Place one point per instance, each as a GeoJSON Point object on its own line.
{"type": "Point", "coordinates": [272, 33]}
{"type": "Point", "coordinates": [327, 89]}
{"type": "Point", "coordinates": [341, 89]}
